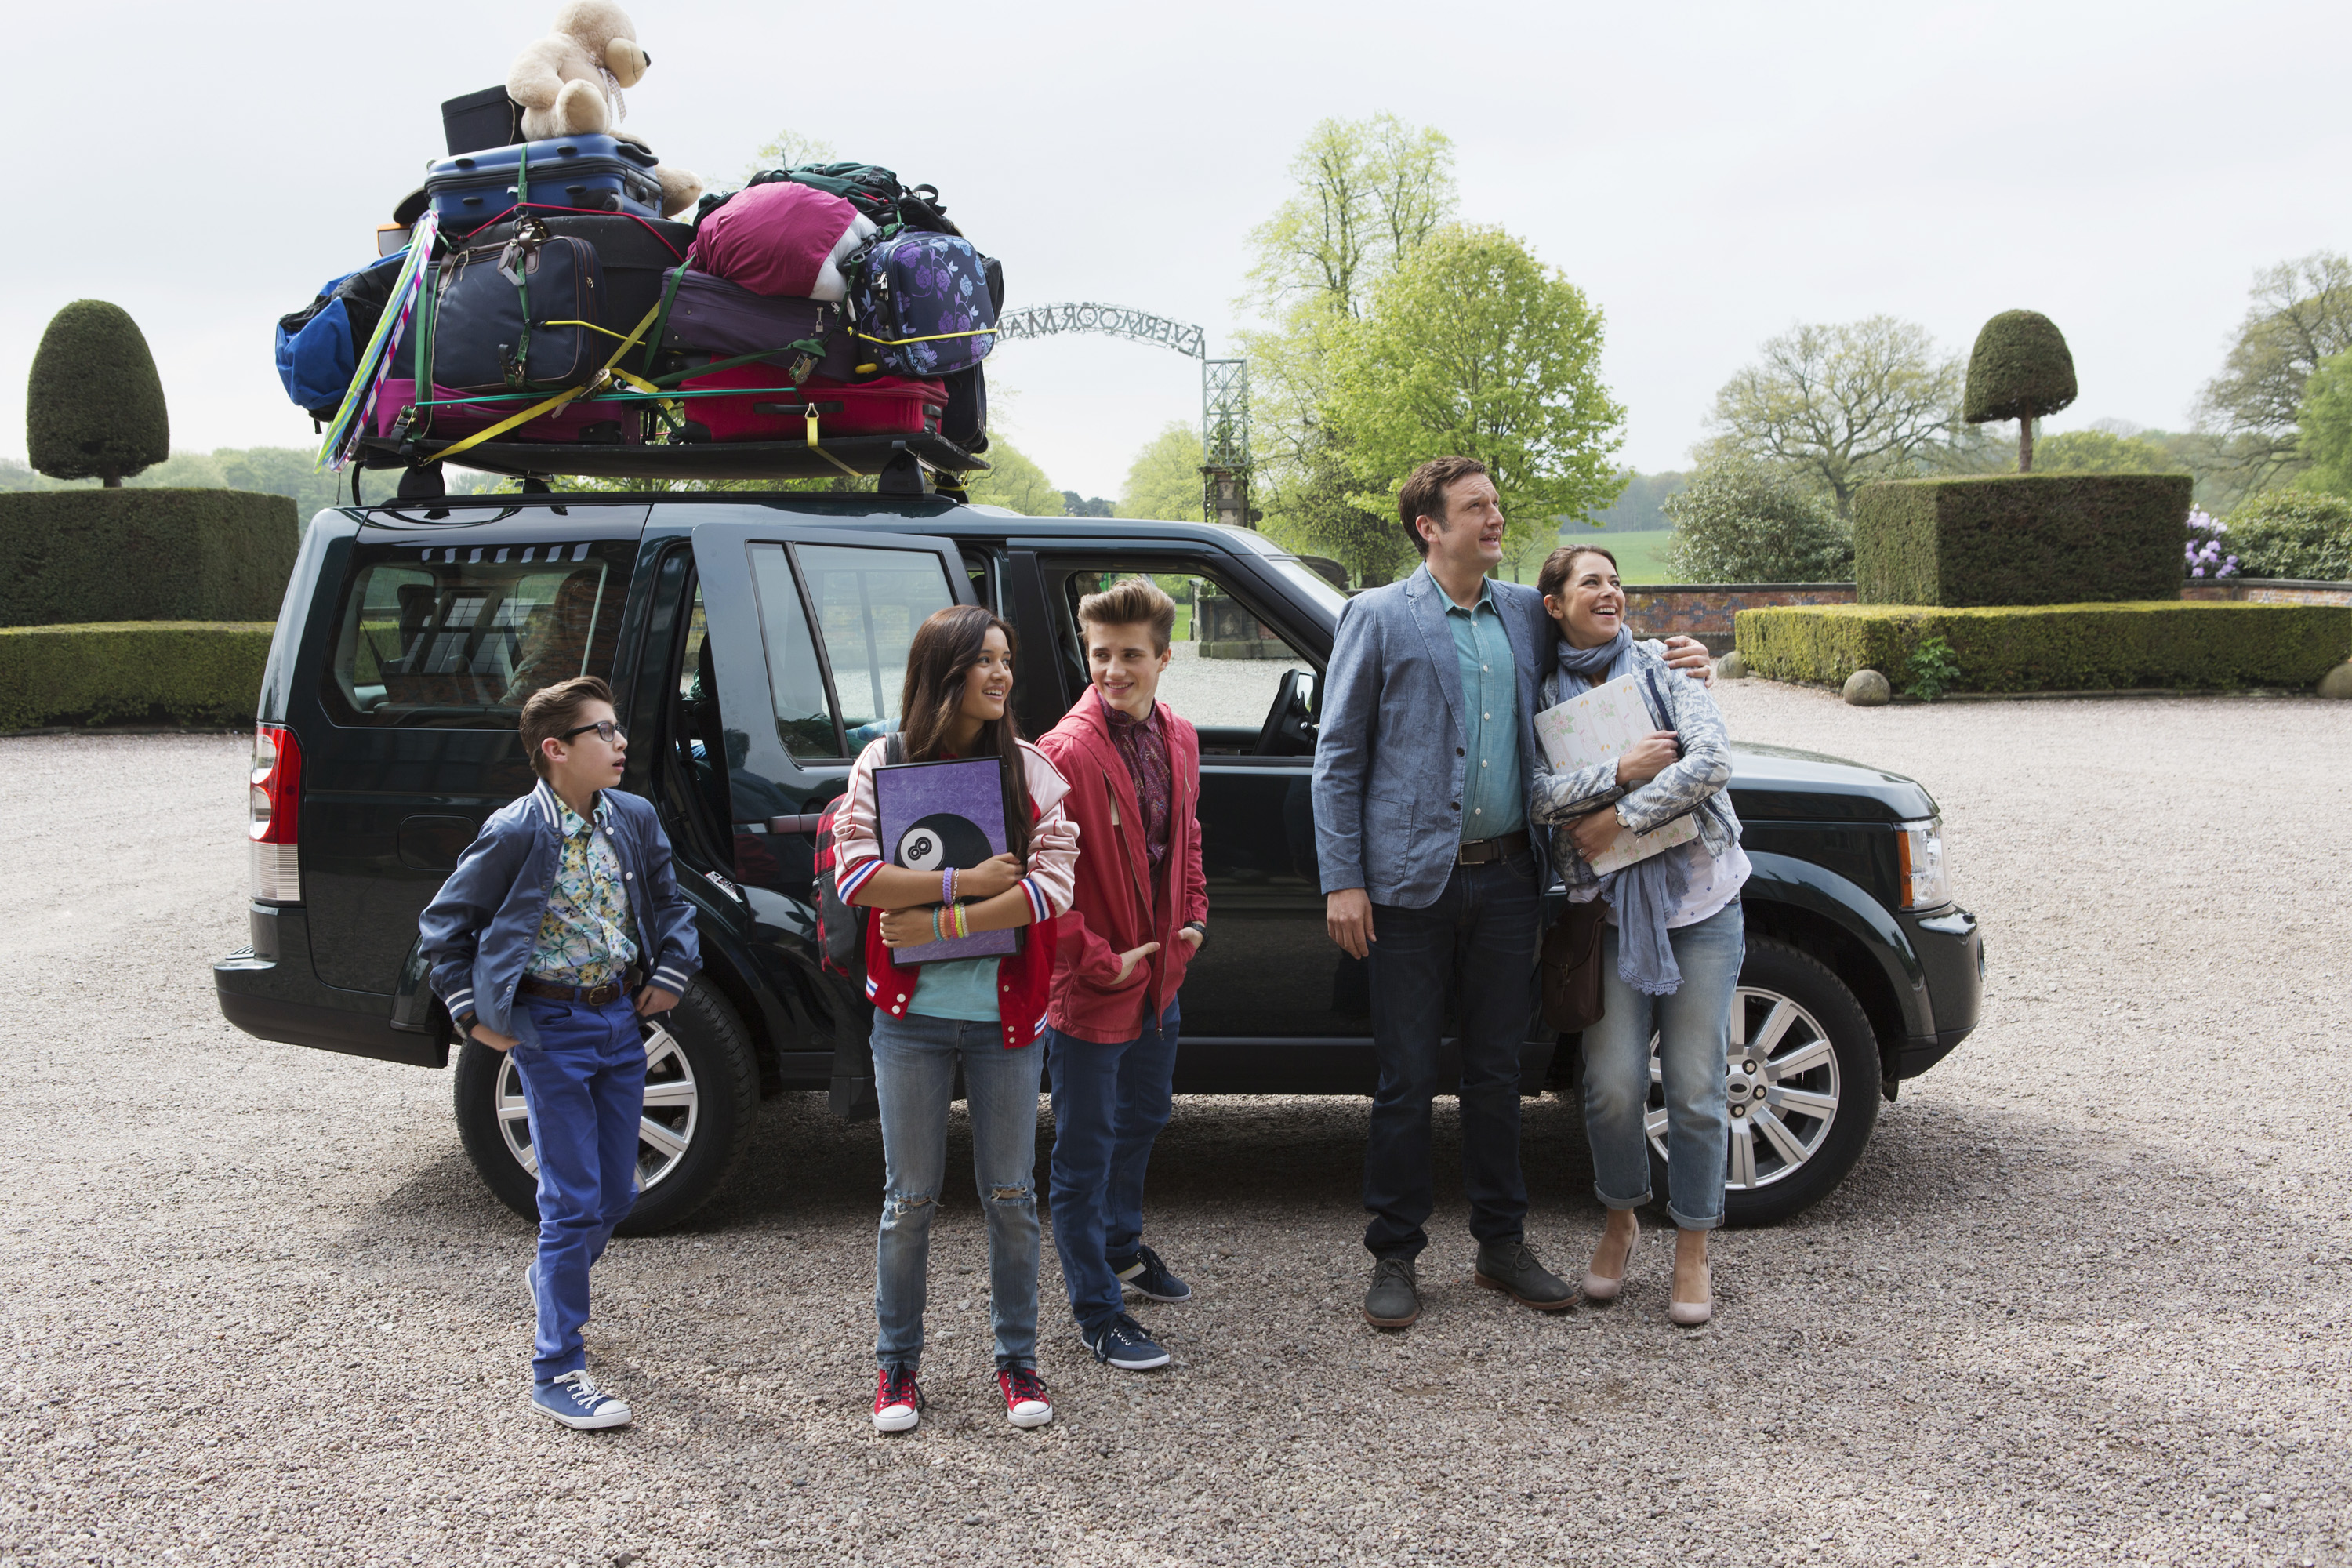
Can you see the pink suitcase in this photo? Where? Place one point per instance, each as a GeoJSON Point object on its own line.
{"type": "Point", "coordinates": [580, 422]}
{"type": "Point", "coordinates": [773, 410]}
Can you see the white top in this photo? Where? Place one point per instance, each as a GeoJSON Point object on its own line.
{"type": "Point", "coordinates": [1712, 882]}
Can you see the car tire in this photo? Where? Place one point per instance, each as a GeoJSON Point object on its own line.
{"type": "Point", "coordinates": [702, 1098]}
{"type": "Point", "coordinates": [1818, 1087]}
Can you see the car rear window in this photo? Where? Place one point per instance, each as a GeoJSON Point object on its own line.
{"type": "Point", "coordinates": [458, 637]}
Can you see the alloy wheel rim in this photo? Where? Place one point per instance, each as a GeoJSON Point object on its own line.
{"type": "Point", "coordinates": [664, 1129]}
{"type": "Point", "coordinates": [1782, 1082]}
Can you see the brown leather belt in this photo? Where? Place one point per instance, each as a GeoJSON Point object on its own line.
{"type": "Point", "coordinates": [593, 995]}
{"type": "Point", "coordinates": [1484, 851]}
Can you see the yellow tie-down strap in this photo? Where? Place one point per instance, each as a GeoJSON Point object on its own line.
{"type": "Point", "coordinates": [569, 394]}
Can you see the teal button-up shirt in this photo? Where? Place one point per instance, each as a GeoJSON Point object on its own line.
{"type": "Point", "coordinates": [1492, 801]}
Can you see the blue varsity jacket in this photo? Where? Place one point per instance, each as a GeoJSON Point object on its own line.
{"type": "Point", "coordinates": [479, 931]}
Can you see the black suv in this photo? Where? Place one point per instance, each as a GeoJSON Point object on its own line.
{"type": "Point", "coordinates": [755, 641]}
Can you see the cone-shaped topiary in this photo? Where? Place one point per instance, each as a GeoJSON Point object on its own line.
{"type": "Point", "coordinates": [94, 404]}
{"type": "Point", "coordinates": [2020, 370]}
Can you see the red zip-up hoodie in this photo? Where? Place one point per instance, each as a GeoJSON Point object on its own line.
{"type": "Point", "coordinates": [1116, 907]}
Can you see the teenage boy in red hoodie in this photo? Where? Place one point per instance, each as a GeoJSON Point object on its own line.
{"type": "Point", "coordinates": [1140, 913]}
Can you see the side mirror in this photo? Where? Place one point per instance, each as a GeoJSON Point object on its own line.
{"type": "Point", "coordinates": [1289, 729]}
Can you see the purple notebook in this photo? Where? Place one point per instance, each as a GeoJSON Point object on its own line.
{"type": "Point", "coordinates": [932, 816]}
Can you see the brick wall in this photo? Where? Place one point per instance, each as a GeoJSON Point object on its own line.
{"type": "Point", "coordinates": [1704, 610]}
{"type": "Point", "coordinates": [2270, 591]}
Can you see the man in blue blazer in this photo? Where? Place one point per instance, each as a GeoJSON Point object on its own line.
{"type": "Point", "coordinates": [1422, 765]}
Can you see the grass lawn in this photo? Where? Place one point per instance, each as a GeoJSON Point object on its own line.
{"type": "Point", "coordinates": [1640, 557]}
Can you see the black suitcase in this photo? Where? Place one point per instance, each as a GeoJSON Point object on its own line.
{"type": "Point", "coordinates": [635, 254]}
{"type": "Point", "coordinates": [478, 120]}
{"type": "Point", "coordinates": [479, 335]}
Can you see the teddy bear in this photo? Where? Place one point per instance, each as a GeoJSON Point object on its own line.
{"type": "Point", "coordinates": [569, 84]}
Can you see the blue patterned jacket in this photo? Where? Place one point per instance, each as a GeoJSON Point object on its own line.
{"type": "Point", "coordinates": [479, 931]}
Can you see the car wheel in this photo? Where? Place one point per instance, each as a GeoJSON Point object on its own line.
{"type": "Point", "coordinates": [1803, 1086]}
{"type": "Point", "coordinates": [702, 1096]}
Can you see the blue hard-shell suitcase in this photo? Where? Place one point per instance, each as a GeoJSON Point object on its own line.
{"type": "Point", "coordinates": [594, 173]}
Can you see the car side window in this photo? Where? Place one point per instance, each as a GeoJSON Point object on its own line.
{"type": "Point", "coordinates": [837, 636]}
{"type": "Point", "coordinates": [458, 637]}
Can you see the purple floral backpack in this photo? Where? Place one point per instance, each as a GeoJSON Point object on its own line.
{"type": "Point", "coordinates": [922, 304]}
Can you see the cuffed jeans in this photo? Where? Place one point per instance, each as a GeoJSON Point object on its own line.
{"type": "Point", "coordinates": [1477, 945]}
{"type": "Point", "coordinates": [584, 1087]}
{"type": "Point", "coordinates": [1109, 1103]}
{"type": "Point", "coordinates": [1692, 1028]}
{"type": "Point", "coordinates": [915, 1062]}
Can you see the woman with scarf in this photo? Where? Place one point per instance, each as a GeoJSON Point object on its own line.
{"type": "Point", "coordinates": [1671, 950]}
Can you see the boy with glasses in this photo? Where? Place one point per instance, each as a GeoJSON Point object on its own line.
{"type": "Point", "coordinates": [560, 902]}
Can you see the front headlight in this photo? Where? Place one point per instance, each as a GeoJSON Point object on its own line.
{"type": "Point", "coordinates": [1927, 880]}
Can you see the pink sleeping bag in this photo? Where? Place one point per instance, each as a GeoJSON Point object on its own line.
{"type": "Point", "coordinates": [779, 240]}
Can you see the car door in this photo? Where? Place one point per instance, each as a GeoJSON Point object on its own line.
{"type": "Point", "coordinates": [1246, 672]}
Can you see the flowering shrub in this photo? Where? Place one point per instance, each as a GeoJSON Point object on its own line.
{"type": "Point", "coordinates": [2205, 557]}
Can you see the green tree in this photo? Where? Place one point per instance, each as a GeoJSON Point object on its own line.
{"type": "Point", "coordinates": [1015, 483]}
{"type": "Point", "coordinates": [2021, 369]}
{"type": "Point", "coordinates": [1473, 346]}
{"type": "Point", "coordinates": [1836, 407]}
{"type": "Point", "coordinates": [2103, 452]}
{"type": "Point", "coordinates": [1743, 522]}
{"type": "Point", "coordinates": [789, 150]}
{"type": "Point", "coordinates": [2300, 314]}
{"type": "Point", "coordinates": [1164, 480]}
{"type": "Point", "coordinates": [93, 402]}
{"type": "Point", "coordinates": [2293, 533]}
{"type": "Point", "coordinates": [2324, 427]}
{"type": "Point", "coordinates": [1367, 192]}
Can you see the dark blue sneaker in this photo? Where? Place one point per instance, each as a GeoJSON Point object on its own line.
{"type": "Point", "coordinates": [1148, 1277]}
{"type": "Point", "coordinates": [1121, 1342]}
{"type": "Point", "coordinates": [576, 1400]}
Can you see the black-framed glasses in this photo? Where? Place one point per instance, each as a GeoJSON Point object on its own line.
{"type": "Point", "coordinates": [607, 731]}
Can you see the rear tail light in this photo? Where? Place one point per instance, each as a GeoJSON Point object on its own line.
{"type": "Point", "coordinates": [274, 809]}
{"type": "Point", "coordinates": [1927, 878]}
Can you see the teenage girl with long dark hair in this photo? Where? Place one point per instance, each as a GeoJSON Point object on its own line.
{"type": "Point", "coordinates": [986, 1013]}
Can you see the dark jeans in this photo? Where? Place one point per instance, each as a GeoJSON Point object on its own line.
{"type": "Point", "coordinates": [1109, 1103]}
{"type": "Point", "coordinates": [1476, 947]}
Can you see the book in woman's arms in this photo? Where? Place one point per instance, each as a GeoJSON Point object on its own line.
{"type": "Point", "coordinates": [1598, 726]}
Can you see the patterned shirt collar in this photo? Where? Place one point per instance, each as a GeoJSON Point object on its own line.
{"type": "Point", "coordinates": [570, 822]}
{"type": "Point", "coordinates": [1119, 719]}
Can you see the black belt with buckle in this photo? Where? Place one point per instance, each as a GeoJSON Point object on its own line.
{"type": "Point", "coordinates": [1484, 851]}
{"type": "Point", "coordinates": [592, 995]}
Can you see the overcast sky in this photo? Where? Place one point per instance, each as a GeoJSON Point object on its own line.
{"type": "Point", "coordinates": [1709, 174]}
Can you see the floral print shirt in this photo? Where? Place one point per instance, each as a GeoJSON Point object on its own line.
{"type": "Point", "coordinates": [585, 937]}
{"type": "Point", "coordinates": [1145, 749]}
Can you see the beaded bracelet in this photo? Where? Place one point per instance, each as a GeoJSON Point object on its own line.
{"type": "Point", "coordinates": [964, 920]}
{"type": "Point", "coordinates": [935, 924]}
{"type": "Point", "coordinates": [947, 885]}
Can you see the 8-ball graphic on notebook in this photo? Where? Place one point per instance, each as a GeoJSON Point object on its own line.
{"type": "Point", "coordinates": [932, 816]}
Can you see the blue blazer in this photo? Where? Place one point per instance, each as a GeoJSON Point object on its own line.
{"type": "Point", "coordinates": [480, 929]}
{"type": "Point", "coordinates": [1390, 754]}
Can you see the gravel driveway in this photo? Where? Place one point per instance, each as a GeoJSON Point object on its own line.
{"type": "Point", "coordinates": [2083, 1299]}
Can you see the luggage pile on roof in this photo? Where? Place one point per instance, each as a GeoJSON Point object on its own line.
{"type": "Point", "coordinates": [535, 313]}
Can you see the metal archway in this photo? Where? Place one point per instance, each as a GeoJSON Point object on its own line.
{"type": "Point", "coordinates": [1225, 388]}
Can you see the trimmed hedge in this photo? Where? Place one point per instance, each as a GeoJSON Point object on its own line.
{"type": "Point", "coordinates": [2020, 539]}
{"type": "Point", "coordinates": [74, 557]}
{"type": "Point", "coordinates": [181, 672]}
{"type": "Point", "coordinates": [93, 404]}
{"type": "Point", "coordinates": [2019, 368]}
{"type": "Point", "coordinates": [2055, 648]}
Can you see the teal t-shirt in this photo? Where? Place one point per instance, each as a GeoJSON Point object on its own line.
{"type": "Point", "coordinates": [960, 988]}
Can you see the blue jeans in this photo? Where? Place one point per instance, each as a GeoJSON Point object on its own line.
{"type": "Point", "coordinates": [1109, 1103]}
{"type": "Point", "coordinates": [915, 1062]}
{"type": "Point", "coordinates": [1692, 1028]}
{"type": "Point", "coordinates": [1476, 948]}
{"type": "Point", "coordinates": [583, 1086]}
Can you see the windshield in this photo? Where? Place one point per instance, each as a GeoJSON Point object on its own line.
{"type": "Point", "coordinates": [1314, 584]}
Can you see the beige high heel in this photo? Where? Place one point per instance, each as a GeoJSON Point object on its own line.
{"type": "Point", "coordinates": [1600, 1288]}
{"type": "Point", "coordinates": [1691, 1314]}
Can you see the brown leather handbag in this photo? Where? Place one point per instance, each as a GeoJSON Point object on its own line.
{"type": "Point", "coordinates": [1571, 967]}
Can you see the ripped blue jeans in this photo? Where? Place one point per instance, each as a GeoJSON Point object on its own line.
{"type": "Point", "coordinates": [915, 1060]}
